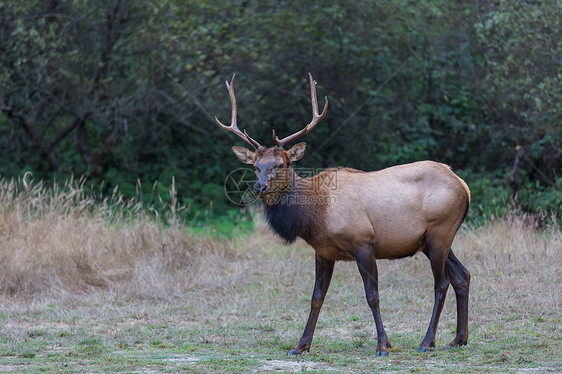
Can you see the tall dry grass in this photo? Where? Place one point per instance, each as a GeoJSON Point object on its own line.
{"type": "Point", "coordinates": [59, 239]}
{"type": "Point", "coordinates": [516, 269]}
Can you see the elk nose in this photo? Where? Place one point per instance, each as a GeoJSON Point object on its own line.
{"type": "Point", "coordinates": [259, 188]}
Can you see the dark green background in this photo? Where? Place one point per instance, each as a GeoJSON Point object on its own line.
{"type": "Point", "coordinates": [125, 91]}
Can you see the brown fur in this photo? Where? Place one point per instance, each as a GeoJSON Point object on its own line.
{"type": "Point", "coordinates": [354, 210]}
{"type": "Point", "coordinates": [394, 207]}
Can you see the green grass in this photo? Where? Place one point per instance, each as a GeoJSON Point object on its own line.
{"type": "Point", "coordinates": [163, 341]}
{"type": "Point", "coordinates": [232, 225]}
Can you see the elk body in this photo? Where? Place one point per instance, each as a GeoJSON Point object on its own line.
{"type": "Point", "coordinates": [351, 215]}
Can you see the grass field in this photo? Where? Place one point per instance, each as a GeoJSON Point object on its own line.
{"type": "Point", "coordinates": [90, 288]}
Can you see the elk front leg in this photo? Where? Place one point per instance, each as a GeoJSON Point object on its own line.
{"type": "Point", "coordinates": [366, 262]}
{"type": "Point", "coordinates": [324, 271]}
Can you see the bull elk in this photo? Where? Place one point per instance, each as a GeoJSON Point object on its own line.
{"type": "Point", "coordinates": [387, 214]}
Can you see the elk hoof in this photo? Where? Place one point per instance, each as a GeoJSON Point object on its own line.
{"type": "Point", "coordinates": [456, 344]}
{"type": "Point", "coordinates": [382, 353]}
{"type": "Point", "coordinates": [293, 352]}
{"type": "Point", "coordinates": [424, 349]}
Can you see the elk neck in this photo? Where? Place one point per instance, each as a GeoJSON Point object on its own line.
{"type": "Point", "coordinates": [298, 212]}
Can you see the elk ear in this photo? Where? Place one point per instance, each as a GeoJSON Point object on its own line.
{"type": "Point", "coordinates": [244, 155]}
{"type": "Point", "coordinates": [296, 152]}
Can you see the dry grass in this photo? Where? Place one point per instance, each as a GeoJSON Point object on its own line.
{"type": "Point", "coordinates": [514, 266]}
{"type": "Point", "coordinates": [102, 285]}
{"type": "Point", "coordinates": [56, 240]}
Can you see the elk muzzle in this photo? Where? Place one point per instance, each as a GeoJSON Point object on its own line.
{"type": "Point", "coordinates": [260, 189]}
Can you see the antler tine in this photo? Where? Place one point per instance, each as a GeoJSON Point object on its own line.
{"type": "Point", "coordinates": [313, 97]}
{"type": "Point", "coordinates": [233, 128]}
{"type": "Point", "coordinates": [316, 118]}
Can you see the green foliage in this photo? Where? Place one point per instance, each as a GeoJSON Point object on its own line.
{"type": "Point", "coordinates": [125, 92]}
{"type": "Point", "coordinates": [489, 196]}
{"type": "Point", "coordinates": [542, 198]}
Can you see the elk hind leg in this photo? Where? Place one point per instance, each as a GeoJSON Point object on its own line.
{"type": "Point", "coordinates": [437, 251]}
{"type": "Point", "coordinates": [460, 279]}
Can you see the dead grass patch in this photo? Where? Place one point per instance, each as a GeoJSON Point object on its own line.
{"type": "Point", "coordinates": [59, 240]}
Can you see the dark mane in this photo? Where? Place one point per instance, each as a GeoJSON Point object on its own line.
{"type": "Point", "coordinates": [286, 218]}
{"type": "Point", "coordinates": [298, 212]}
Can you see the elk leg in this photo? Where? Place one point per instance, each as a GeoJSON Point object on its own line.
{"type": "Point", "coordinates": [324, 270]}
{"type": "Point", "coordinates": [366, 262]}
{"type": "Point", "coordinates": [460, 279]}
{"type": "Point", "coordinates": [437, 258]}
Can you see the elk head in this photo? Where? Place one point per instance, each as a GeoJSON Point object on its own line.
{"type": "Point", "coordinates": [272, 165]}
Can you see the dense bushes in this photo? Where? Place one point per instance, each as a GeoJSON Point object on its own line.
{"type": "Point", "coordinates": [125, 92]}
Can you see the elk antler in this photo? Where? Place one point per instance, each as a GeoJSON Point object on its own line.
{"type": "Point", "coordinates": [315, 116]}
{"type": "Point", "coordinates": [233, 126]}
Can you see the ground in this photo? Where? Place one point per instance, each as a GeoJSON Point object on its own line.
{"type": "Point", "coordinates": [241, 308]}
